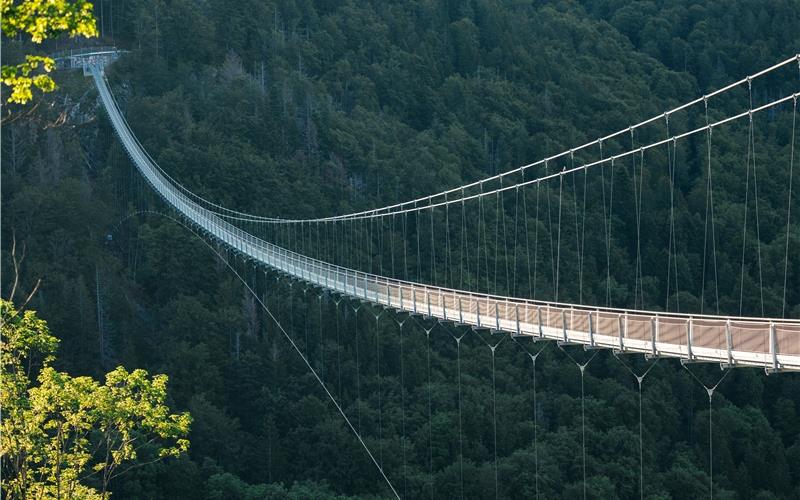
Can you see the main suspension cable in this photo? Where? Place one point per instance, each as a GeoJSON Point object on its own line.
{"type": "Point", "coordinates": [758, 224]}
{"type": "Point", "coordinates": [493, 348]}
{"type": "Point", "coordinates": [294, 346]}
{"type": "Point", "coordinates": [582, 368]}
{"type": "Point", "coordinates": [460, 432]}
{"type": "Point", "coordinates": [338, 348]}
{"type": "Point", "coordinates": [401, 324]}
{"type": "Point", "coordinates": [558, 245]}
{"type": "Point", "coordinates": [546, 177]}
{"type": "Point", "coordinates": [527, 238]}
{"type": "Point", "coordinates": [533, 357]}
{"type": "Point", "coordinates": [639, 380]}
{"type": "Point", "coordinates": [710, 392]}
{"type": "Point", "coordinates": [378, 369]}
{"type": "Point", "coordinates": [789, 208]}
{"type": "Point", "coordinates": [398, 207]}
{"type": "Point", "coordinates": [430, 399]}
{"type": "Point", "coordinates": [358, 368]}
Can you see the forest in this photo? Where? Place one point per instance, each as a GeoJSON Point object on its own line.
{"type": "Point", "coordinates": [311, 108]}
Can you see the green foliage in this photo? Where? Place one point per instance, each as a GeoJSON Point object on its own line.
{"type": "Point", "coordinates": [308, 108]}
{"type": "Point", "coordinates": [18, 78]}
{"type": "Point", "coordinates": [40, 20]}
{"type": "Point", "coordinates": [63, 434]}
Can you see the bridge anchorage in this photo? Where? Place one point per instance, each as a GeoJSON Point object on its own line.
{"type": "Point", "coordinates": [85, 58]}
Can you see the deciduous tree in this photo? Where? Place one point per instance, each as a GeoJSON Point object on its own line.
{"type": "Point", "coordinates": [39, 20]}
{"type": "Point", "coordinates": [65, 436]}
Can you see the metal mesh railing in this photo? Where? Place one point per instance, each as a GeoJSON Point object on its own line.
{"type": "Point", "coordinates": [764, 342]}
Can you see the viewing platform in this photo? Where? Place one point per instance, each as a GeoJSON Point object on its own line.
{"type": "Point", "coordinates": [84, 57]}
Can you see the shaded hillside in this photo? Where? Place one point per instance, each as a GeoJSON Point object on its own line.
{"type": "Point", "coordinates": [309, 108]}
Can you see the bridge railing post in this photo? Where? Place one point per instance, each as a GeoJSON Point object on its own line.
{"type": "Point", "coordinates": [539, 316]}
{"type": "Point", "coordinates": [428, 300]}
{"type": "Point", "coordinates": [626, 325]}
{"type": "Point", "coordinates": [729, 341]}
{"type": "Point", "coordinates": [773, 345]}
{"type": "Point", "coordinates": [365, 286]}
{"type": "Point", "coordinates": [653, 334]}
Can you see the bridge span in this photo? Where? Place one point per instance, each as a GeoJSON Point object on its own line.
{"type": "Point", "coordinates": [771, 343]}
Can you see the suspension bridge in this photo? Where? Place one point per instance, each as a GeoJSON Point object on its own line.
{"type": "Point", "coordinates": [445, 257]}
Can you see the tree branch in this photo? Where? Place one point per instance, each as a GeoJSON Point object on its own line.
{"type": "Point", "coordinates": [30, 295]}
{"type": "Point", "coordinates": [16, 264]}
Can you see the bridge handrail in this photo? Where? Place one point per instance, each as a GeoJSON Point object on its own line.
{"type": "Point", "coordinates": [378, 279]}
{"type": "Point", "coordinates": [86, 51]}
{"type": "Point", "coordinates": [372, 287]}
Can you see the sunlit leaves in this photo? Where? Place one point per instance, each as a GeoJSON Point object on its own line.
{"type": "Point", "coordinates": [63, 429]}
{"type": "Point", "coordinates": [18, 78]}
{"type": "Point", "coordinates": [41, 19]}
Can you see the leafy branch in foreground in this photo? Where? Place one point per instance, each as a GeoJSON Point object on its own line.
{"type": "Point", "coordinates": [40, 19]}
{"type": "Point", "coordinates": [70, 436]}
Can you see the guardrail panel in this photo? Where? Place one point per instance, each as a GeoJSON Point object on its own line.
{"type": "Point", "coordinates": [638, 327]}
{"type": "Point", "coordinates": [675, 333]}
{"type": "Point", "coordinates": [788, 339]}
{"type": "Point", "coordinates": [749, 337]}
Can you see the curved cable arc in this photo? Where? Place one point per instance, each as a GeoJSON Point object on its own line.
{"type": "Point", "coordinates": [563, 172]}
{"type": "Point", "coordinates": [390, 209]}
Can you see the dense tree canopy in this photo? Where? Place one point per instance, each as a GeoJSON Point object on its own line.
{"type": "Point", "coordinates": [310, 108]}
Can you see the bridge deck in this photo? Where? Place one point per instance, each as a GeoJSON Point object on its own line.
{"type": "Point", "coordinates": [770, 343]}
